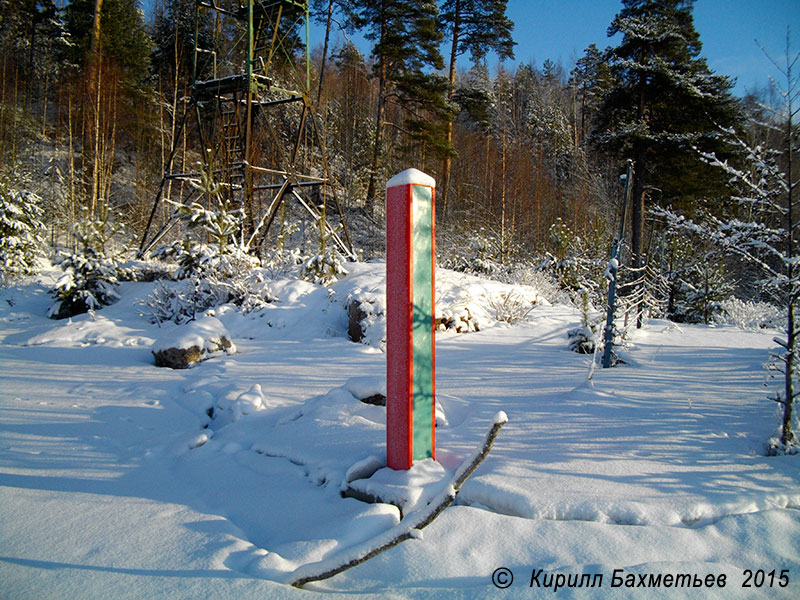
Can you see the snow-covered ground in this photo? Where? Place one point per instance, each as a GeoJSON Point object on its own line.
{"type": "Point", "coordinates": [119, 479]}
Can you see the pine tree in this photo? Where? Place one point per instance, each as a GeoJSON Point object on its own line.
{"type": "Point", "coordinates": [406, 48]}
{"type": "Point", "coordinates": [474, 96]}
{"type": "Point", "coordinates": [592, 79]}
{"type": "Point", "coordinates": [477, 27]}
{"type": "Point", "coordinates": [665, 100]}
{"type": "Point", "coordinates": [328, 12]}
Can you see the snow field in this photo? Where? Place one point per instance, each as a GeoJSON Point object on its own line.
{"type": "Point", "coordinates": [122, 480]}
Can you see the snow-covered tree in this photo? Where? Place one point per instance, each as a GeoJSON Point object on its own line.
{"type": "Point", "coordinates": [585, 339]}
{"type": "Point", "coordinates": [702, 289]}
{"type": "Point", "coordinates": [591, 79]}
{"type": "Point", "coordinates": [574, 262]}
{"type": "Point", "coordinates": [762, 232]}
{"type": "Point", "coordinates": [664, 100]}
{"type": "Point", "coordinates": [324, 265]}
{"type": "Point", "coordinates": [210, 246]}
{"type": "Point", "coordinates": [695, 278]}
{"type": "Point", "coordinates": [21, 232]}
{"type": "Point", "coordinates": [90, 274]}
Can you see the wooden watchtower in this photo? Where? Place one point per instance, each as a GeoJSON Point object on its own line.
{"type": "Point", "coordinates": [250, 130]}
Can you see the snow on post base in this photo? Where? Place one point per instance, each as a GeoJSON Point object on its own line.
{"type": "Point", "coordinates": [408, 527]}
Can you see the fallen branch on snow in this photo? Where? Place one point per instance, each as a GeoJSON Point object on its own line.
{"type": "Point", "coordinates": [409, 527]}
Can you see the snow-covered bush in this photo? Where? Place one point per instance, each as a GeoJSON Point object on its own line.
{"type": "Point", "coordinates": [184, 300]}
{"type": "Point", "coordinates": [21, 232]}
{"type": "Point", "coordinates": [750, 314]}
{"type": "Point", "coordinates": [479, 253]}
{"type": "Point", "coordinates": [318, 261]}
{"type": "Point", "coordinates": [90, 274]}
{"type": "Point", "coordinates": [279, 260]}
{"type": "Point", "coordinates": [180, 303]}
{"type": "Point", "coordinates": [324, 265]}
{"type": "Point", "coordinates": [282, 262]}
{"type": "Point", "coordinates": [510, 307]}
{"type": "Point", "coordinates": [540, 280]}
{"type": "Point", "coordinates": [138, 271]}
{"type": "Point", "coordinates": [198, 260]}
{"type": "Point", "coordinates": [576, 265]}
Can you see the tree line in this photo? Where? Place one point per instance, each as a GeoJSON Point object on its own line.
{"type": "Point", "coordinates": [93, 92]}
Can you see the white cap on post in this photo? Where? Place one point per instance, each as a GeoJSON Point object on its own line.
{"type": "Point", "coordinates": [411, 177]}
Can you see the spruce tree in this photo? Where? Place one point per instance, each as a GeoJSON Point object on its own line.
{"type": "Point", "coordinates": [123, 36]}
{"type": "Point", "coordinates": [30, 31]}
{"type": "Point", "coordinates": [665, 101]}
{"type": "Point", "coordinates": [22, 232]}
{"type": "Point", "coordinates": [174, 40]}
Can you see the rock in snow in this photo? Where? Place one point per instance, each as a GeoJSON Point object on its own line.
{"type": "Point", "coordinates": [192, 342]}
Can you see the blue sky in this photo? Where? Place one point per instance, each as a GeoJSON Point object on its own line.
{"type": "Point", "coordinates": [561, 30]}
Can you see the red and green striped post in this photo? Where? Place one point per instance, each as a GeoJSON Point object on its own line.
{"type": "Point", "coordinates": [410, 324]}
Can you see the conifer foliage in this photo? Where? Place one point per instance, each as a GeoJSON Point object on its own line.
{"type": "Point", "coordinates": [664, 101]}
{"type": "Point", "coordinates": [406, 49]}
{"type": "Point", "coordinates": [474, 26]}
{"type": "Point", "coordinates": [89, 277]}
{"type": "Point", "coordinates": [22, 241]}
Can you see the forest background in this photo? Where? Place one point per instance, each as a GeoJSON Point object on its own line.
{"type": "Point", "coordinates": [529, 160]}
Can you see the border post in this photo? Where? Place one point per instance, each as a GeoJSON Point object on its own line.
{"type": "Point", "coordinates": [410, 323]}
